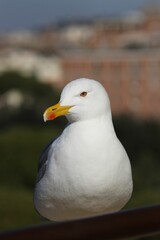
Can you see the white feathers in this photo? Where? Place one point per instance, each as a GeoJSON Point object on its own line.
{"type": "Point", "coordinates": [88, 171]}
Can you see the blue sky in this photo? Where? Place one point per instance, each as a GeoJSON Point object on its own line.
{"type": "Point", "coordinates": [21, 14]}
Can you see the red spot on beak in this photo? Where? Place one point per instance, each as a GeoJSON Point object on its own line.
{"type": "Point", "coordinates": [51, 116]}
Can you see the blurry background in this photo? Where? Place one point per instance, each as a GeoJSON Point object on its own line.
{"type": "Point", "coordinates": [44, 45]}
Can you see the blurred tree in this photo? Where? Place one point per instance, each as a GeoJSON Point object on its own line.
{"type": "Point", "coordinates": [35, 98]}
{"type": "Point", "coordinates": [141, 140]}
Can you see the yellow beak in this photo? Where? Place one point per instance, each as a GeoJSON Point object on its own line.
{"type": "Point", "coordinates": [55, 111]}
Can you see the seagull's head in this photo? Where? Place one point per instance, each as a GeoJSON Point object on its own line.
{"type": "Point", "coordinates": [80, 99]}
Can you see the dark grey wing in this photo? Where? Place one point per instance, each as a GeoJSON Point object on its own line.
{"type": "Point", "coordinates": [43, 161]}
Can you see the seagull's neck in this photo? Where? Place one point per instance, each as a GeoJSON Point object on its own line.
{"type": "Point", "coordinates": [101, 123]}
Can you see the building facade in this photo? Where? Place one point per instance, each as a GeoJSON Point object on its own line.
{"type": "Point", "coordinates": [132, 79]}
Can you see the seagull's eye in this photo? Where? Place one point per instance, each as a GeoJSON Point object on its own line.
{"type": "Point", "coordinates": [83, 94]}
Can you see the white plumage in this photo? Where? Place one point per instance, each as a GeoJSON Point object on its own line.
{"type": "Point", "coordinates": [86, 170]}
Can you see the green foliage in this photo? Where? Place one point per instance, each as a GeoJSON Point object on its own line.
{"type": "Point", "coordinates": [30, 85]}
{"type": "Point", "coordinates": [36, 97]}
{"type": "Point", "coordinates": [141, 140]}
{"type": "Point", "coordinates": [16, 208]}
{"type": "Point", "coordinates": [20, 149]}
{"type": "Point", "coordinates": [22, 138]}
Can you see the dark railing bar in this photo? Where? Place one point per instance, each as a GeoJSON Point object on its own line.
{"type": "Point", "coordinates": [121, 225]}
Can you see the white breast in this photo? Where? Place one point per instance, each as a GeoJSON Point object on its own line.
{"type": "Point", "coordinates": [88, 173]}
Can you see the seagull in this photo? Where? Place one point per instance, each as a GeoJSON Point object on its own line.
{"type": "Point", "coordinates": [86, 171]}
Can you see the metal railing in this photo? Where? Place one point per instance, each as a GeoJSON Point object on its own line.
{"type": "Point", "coordinates": [126, 224]}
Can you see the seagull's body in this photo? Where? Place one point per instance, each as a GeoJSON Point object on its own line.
{"type": "Point", "coordinates": [86, 170]}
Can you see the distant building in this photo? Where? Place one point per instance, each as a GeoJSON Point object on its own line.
{"type": "Point", "coordinates": [47, 69]}
{"type": "Point", "coordinates": [132, 79]}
